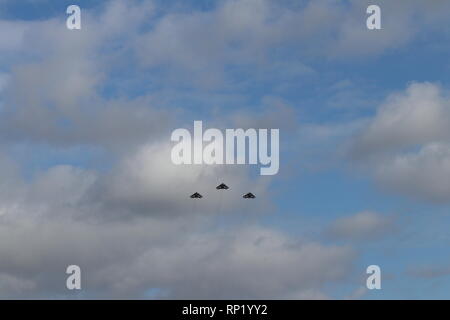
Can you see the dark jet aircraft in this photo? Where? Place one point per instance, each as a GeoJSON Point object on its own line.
{"type": "Point", "coordinates": [249, 196]}
{"type": "Point", "coordinates": [196, 196]}
{"type": "Point", "coordinates": [222, 186]}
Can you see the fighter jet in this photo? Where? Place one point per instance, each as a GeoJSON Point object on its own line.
{"type": "Point", "coordinates": [196, 196]}
{"type": "Point", "coordinates": [222, 186]}
{"type": "Point", "coordinates": [249, 196]}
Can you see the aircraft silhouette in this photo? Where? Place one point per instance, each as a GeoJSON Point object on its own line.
{"type": "Point", "coordinates": [249, 196]}
{"type": "Point", "coordinates": [222, 186]}
{"type": "Point", "coordinates": [196, 196]}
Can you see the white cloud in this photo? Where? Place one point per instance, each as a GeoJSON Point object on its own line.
{"type": "Point", "coordinates": [419, 115]}
{"type": "Point", "coordinates": [424, 174]}
{"type": "Point", "coordinates": [12, 36]}
{"type": "Point", "coordinates": [148, 183]}
{"type": "Point", "coordinates": [406, 144]}
{"type": "Point", "coordinates": [364, 225]}
{"type": "Point", "coordinates": [244, 31]}
{"type": "Point", "coordinates": [56, 77]}
{"type": "Point", "coordinates": [67, 215]}
{"type": "Point", "coordinates": [129, 228]}
{"type": "Point", "coordinates": [14, 286]}
{"type": "Point", "coordinates": [64, 79]}
{"type": "Point", "coordinates": [127, 259]}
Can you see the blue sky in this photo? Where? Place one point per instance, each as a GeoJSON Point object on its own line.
{"type": "Point", "coordinates": [85, 126]}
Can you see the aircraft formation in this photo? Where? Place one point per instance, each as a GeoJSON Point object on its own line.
{"type": "Point", "coordinates": [223, 186]}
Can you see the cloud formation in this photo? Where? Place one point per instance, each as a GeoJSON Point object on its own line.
{"type": "Point", "coordinates": [364, 225]}
{"type": "Point", "coordinates": [125, 81]}
{"type": "Point", "coordinates": [406, 144]}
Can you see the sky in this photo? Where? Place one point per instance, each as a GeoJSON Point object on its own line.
{"type": "Point", "coordinates": [86, 176]}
